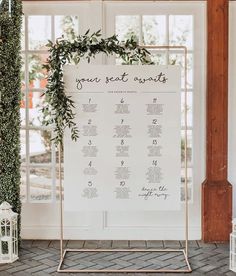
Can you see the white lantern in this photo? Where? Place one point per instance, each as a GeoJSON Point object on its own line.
{"type": "Point", "coordinates": [8, 234]}
{"type": "Point", "coordinates": [232, 264]}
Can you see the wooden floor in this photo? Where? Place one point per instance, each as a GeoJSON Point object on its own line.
{"type": "Point", "coordinates": [42, 257]}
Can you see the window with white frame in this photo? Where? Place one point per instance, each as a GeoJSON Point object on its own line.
{"type": "Point", "coordinates": [38, 154]}
{"type": "Point", "coordinates": [162, 30]}
{"type": "Point", "coordinates": [39, 157]}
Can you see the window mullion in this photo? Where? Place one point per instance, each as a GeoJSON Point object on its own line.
{"type": "Point", "coordinates": [53, 153]}
{"type": "Point", "coordinates": [167, 38]}
{"type": "Point", "coordinates": [140, 30]}
{"type": "Point", "coordinates": [27, 108]}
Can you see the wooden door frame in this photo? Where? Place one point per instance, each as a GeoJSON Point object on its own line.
{"type": "Point", "coordinates": [216, 190]}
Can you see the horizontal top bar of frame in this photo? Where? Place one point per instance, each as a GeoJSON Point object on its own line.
{"type": "Point", "coordinates": [150, 48]}
{"type": "Point", "coordinates": [164, 47]}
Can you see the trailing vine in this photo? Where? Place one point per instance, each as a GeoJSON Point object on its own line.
{"type": "Point", "coordinates": [58, 109]}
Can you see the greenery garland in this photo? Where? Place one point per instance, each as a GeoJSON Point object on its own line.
{"type": "Point", "coordinates": [10, 86]}
{"type": "Point", "coordinates": [58, 109]}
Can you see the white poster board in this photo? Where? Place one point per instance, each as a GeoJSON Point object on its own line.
{"type": "Point", "coordinates": [128, 153]}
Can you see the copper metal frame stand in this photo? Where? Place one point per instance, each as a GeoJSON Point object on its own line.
{"type": "Point", "coordinates": [184, 251]}
{"type": "Point", "coordinates": [107, 270]}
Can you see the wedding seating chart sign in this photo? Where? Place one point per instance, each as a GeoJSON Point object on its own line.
{"type": "Point", "coordinates": [128, 153]}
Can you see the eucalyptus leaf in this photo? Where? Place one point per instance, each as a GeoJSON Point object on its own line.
{"type": "Point", "coordinates": [58, 105]}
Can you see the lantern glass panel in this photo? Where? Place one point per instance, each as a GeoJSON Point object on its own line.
{"type": "Point", "coordinates": [5, 227]}
{"type": "Point", "coordinates": [39, 31]}
{"type": "Point", "coordinates": [6, 252]}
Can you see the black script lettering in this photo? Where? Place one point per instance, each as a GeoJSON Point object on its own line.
{"type": "Point", "coordinates": [122, 78]}
{"type": "Point", "coordinates": [83, 80]}
{"type": "Point", "coordinates": [158, 78]}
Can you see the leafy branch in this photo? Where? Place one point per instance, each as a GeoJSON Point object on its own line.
{"type": "Point", "coordinates": [58, 109]}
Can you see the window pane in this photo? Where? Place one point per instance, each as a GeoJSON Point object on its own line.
{"type": "Point", "coordinates": [58, 182]}
{"type": "Point", "coordinates": [189, 109]}
{"type": "Point", "coordinates": [39, 31]}
{"type": "Point", "coordinates": [37, 75]}
{"type": "Point", "coordinates": [189, 177]}
{"type": "Point", "coordinates": [120, 61]}
{"type": "Point", "coordinates": [189, 147]}
{"type": "Point", "coordinates": [23, 187]}
{"type": "Point", "coordinates": [190, 184]}
{"type": "Point", "coordinates": [40, 146]}
{"type": "Point", "coordinates": [154, 30]}
{"type": "Point", "coordinates": [57, 156]}
{"type": "Point", "coordinates": [40, 183]}
{"type": "Point", "coordinates": [23, 34]}
{"type": "Point", "coordinates": [23, 109]}
{"type": "Point", "coordinates": [178, 59]}
{"type": "Point", "coordinates": [158, 58]}
{"type": "Point", "coordinates": [35, 104]}
{"type": "Point", "coordinates": [127, 26]}
{"type": "Point", "coordinates": [66, 25]}
{"type": "Point", "coordinates": [181, 30]}
{"type": "Point", "coordinates": [23, 145]}
{"type": "Point", "coordinates": [22, 73]}
{"type": "Point", "coordinates": [190, 193]}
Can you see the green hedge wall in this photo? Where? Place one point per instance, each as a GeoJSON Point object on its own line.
{"type": "Point", "coordinates": [10, 86]}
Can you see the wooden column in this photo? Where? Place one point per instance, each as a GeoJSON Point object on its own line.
{"type": "Point", "coordinates": [216, 190]}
